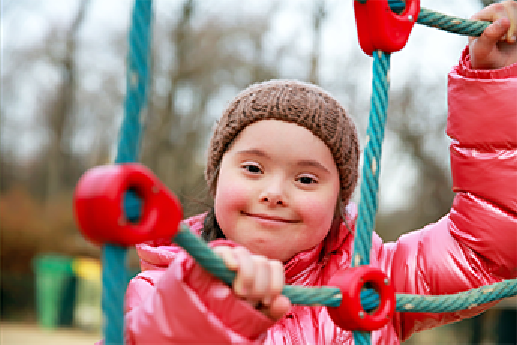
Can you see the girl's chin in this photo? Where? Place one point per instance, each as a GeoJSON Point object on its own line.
{"type": "Point", "coordinates": [268, 249]}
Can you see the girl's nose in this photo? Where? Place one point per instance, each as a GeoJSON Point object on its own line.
{"type": "Point", "coordinates": [273, 194]}
{"type": "Point", "coordinates": [272, 199]}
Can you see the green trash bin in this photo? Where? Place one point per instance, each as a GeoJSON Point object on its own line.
{"type": "Point", "coordinates": [53, 272]}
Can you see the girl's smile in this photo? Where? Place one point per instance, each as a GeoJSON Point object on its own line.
{"type": "Point", "coordinates": [270, 219]}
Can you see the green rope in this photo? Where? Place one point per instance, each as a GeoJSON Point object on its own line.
{"type": "Point", "coordinates": [371, 168]}
{"type": "Point", "coordinates": [442, 21]}
{"type": "Point", "coordinates": [331, 296]}
{"type": "Point", "coordinates": [451, 24]}
{"type": "Point", "coordinates": [114, 272]}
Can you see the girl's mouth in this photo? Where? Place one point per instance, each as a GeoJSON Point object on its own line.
{"type": "Point", "coordinates": [270, 218]}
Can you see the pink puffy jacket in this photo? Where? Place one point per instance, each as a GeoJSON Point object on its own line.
{"type": "Point", "coordinates": [175, 301]}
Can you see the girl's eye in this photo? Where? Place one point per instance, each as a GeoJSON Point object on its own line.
{"type": "Point", "coordinates": [252, 168]}
{"type": "Point", "coordinates": [307, 179]}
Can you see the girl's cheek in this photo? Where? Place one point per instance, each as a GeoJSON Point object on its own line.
{"type": "Point", "coordinates": [318, 212]}
{"type": "Point", "coordinates": [317, 208]}
{"type": "Point", "coordinates": [231, 199]}
{"type": "Point", "coordinates": [232, 194]}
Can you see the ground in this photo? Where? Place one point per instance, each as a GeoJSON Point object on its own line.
{"type": "Point", "coordinates": [28, 334]}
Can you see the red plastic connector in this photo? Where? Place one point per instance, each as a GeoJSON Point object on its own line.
{"type": "Point", "coordinates": [99, 210]}
{"type": "Point", "coordinates": [350, 314]}
{"type": "Point", "coordinates": [379, 28]}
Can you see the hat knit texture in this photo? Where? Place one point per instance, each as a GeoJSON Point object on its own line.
{"type": "Point", "coordinates": [304, 104]}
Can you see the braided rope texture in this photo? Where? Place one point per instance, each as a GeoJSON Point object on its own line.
{"type": "Point", "coordinates": [372, 157]}
{"type": "Point", "coordinates": [114, 272]}
{"type": "Point", "coordinates": [442, 21]}
{"type": "Point", "coordinates": [114, 282]}
{"type": "Point", "coordinates": [331, 296]}
{"type": "Point", "coordinates": [368, 202]}
{"type": "Point", "coordinates": [451, 24]}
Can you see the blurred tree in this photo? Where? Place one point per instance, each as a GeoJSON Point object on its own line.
{"type": "Point", "coordinates": [197, 61]}
{"type": "Point", "coordinates": [60, 113]}
{"type": "Point", "coordinates": [47, 71]}
{"type": "Point", "coordinates": [7, 161]}
{"type": "Point", "coordinates": [78, 83]}
{"type": "Point", "coordinates": [420, 130]}
{"type": "Point", "coordinates": [318, 19]}
{"type": "Point", "coordinates": [195, 64]}
{"type": "Point", "coordinates": [487, 2]}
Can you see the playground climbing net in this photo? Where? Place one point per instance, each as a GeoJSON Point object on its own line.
{"type": "Point", "coordinates": [105, 222]}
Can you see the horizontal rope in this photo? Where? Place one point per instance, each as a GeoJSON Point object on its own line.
{"type": "Point", "coordinates": [442, 21]}
{"type": "Point", "coordinates": [331, 296]}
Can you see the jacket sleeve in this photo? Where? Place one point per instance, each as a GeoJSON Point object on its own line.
{"type": "Point", "coordinates": [185, 304]}
{"type": "Point", "coordinates": [476, 243]}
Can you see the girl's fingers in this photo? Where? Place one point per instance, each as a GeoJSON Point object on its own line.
{"type": "Point", "coordinates": [494, 48]}
{"type": "Point", "coordinates": [244, 280]}
{"type": "Point", "coordinates": [260, 286]}
{"type": "Point", "coordinates": [495, 32]}
{"type": "Point", "coordinates": [229, 259]}
{"type": "Point", "coordinates": [490, 13]}
{"type": "Point", "coordinates": [258, 280]}
{"type": "Point", "coordinates": [276, 281]}
{"type": "Point", "coordinates": [511, 13]}
{"type": "Point", "coordinates": [280, 305]}
{"type": "Point", "coordinates": [504, 22]}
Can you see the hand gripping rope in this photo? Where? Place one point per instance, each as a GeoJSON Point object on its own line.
{"type": "Point", "coordinates": [125, 204]}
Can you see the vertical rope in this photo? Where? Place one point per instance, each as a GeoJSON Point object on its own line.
{"type": "Point", "coordinates": [371, 159]}
{"type": "Point", "coordinates": [371, 169]}
{"type": "Point", "coordinates": [114, 272]}
{"type": "Point", "coordinates": [114, 281]}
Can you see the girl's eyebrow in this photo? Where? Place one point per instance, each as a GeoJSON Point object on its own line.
{"type": "Point", "coordinates": [302, 163]}
{"type": "Point", "coordinates": [314, 164]}
{"type": "Point", "coordinates": [255, 152]}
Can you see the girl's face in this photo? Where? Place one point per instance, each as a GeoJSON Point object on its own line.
{"type": "Point", "coordinates": [277, 189]}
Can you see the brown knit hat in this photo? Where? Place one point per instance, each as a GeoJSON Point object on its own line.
{"type": "Point", "coordinates": [301, 103]}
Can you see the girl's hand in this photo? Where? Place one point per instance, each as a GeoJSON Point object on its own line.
{"type": "Point", "coordinates": [496, 47]}
{"type": "Point", "coordinates": [259, 280]}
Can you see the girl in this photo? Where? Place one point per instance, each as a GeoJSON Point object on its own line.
{"type": "Point", "coordinates": [282, 165]}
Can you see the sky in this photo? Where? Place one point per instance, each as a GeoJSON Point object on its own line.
{"type": "Point", "coordinates": [429, 53]}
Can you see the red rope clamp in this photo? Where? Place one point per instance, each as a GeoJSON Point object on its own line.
{"type": "Point", "coordinates": [98, 205]}
{"type": "Point", "coordinates": [350, 314]}
{"type": "Point", "coordinates": [379, 28]}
